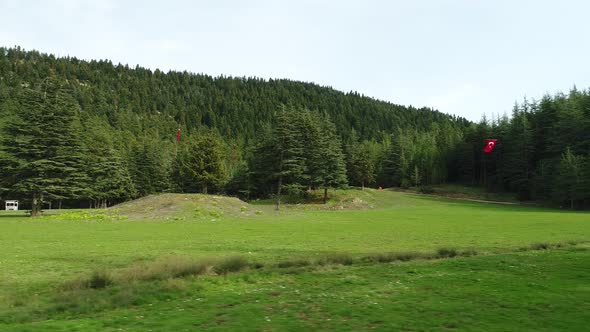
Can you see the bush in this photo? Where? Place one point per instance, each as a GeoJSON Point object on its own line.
{"type": "Point", "coordinates": [164, 268]}
{"type": "Point", "coordinates": [343, 259]}
{"type": "Point", "coordinates": [394, 256]}
{"type": "Point", "coordinates": [446, 253]}
{"type": "Point", "coordinates": [540, 246]}
{"type": "Point", "coordinates": [231, 264]}
{"type": "Point", "coordinates": [99, 280]}
{"type": "Point", "coordinates": [257, 265]}
{"type": "Point", "coordinates": [216, 214]}
{"type": "Point", "coordinates": [468, 253]}
{"type": "Point", "coordinates": [293, 263]}
{"type": "Point", "coordinates": [405, 184]}
{"type": "Point", "coordinates": [426, 190]}
{"type": "Point", "coordinates": [407, 256]}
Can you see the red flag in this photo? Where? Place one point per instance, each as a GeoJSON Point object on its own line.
{"type": "Point", "coordinates": [178, 136]}
{"type": "Point", "coordinates": [490, 144]}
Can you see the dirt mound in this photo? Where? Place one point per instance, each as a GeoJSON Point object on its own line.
{"type": "Point", "coordinates": [197, 207]}
{"type": "Point", "coordinates": [349, 203]}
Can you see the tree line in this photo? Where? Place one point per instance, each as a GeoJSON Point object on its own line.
{"type": "Point", "coordinates": [90, 133]}
{"type": "Point", "coordinates": [543, 151]}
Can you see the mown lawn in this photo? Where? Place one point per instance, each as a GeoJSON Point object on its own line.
{"type": "Point", "coordinates": [500, 289]}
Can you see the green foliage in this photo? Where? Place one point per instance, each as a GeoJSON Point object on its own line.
{"type": "Point", "coordinates": [389, 257]}
{"type": "Point", "coordinates": [43, 155]}
{"type": "Point", "coordinates": [199, 164]}
{"type": "Point", "coordinates": [294, 263]}
{"type": "Point", "coordinates": [150, 165]}
{"type": "Point", "coordinates": [230, 264]}
{"type": "Point", "coordinates": [301, 150]}
{"type": "Point", "coordinates": [542, 151]}
{"type": "Point", "coordinates": [570, 180]}
{"type": "Point", "coordinates": [427, 190]}
{"type": "Point", "coordinates": [115, 129]}
{"type": "Point", "coordinates": [102, 133]}
{"type": "Point", "coordinates": [341, 259]}
{"type": "Point", "coordinates": [446, 252]}
{"type": "Point", "coordinates": [111, 180]}
{"type": "Point", "coordinates": [87, 215]}
{"type": "Point", "coordinates": [99, 279]}
{"type": "Point", "coordinates": [361, 165]}
{"type": "Point", "coordinates": [422, 158]}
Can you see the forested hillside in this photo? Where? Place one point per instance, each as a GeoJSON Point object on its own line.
{"type": "Point", "coordinates": [135, 99]}
{"type": "Point", "coordinates": [543, 151]}
{"type": "Point", "coordinates": [121, 122]}
{"type": "Point", "coordinates": [91, 133]}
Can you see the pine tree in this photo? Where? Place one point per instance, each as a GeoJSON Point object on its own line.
{"type": "Point", "coordinates": [332, 167]}
{"type": "Point", "coordinates": [200, 163]}
{"type": "Point", "coordinates": [314, 147]}
{"type": "Point", "coordinates": [42, 148]}
{"type": "Point", "coordinates": [400, 158]}
{"type": "Point", "coordinates": [278, 161]}
{"type": "Point", "coordinates": [111, 180]}
{"type": "Point", "coordinates": [361, 165]}
{"type": "Point", "coordinates": [288, 146]}
{"type": "Point", "coordinates": [570, 184]}
{"type": "Point", "coordinates": [150, 166]}
{"type": "Point", "coordinates": [517, 153]}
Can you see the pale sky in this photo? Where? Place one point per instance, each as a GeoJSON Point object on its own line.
{"type": "Point", "coordinates": [464, 57]}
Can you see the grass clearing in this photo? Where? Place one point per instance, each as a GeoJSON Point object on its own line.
{"type": "Point", "coordinates": [459, 191]}
{"type": "Point", "coordinates": [101, 274]}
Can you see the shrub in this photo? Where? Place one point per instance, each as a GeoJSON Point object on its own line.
{"type": "Point", "coordinates": [231, 264]}
{"type": "Point", "coordinates": [99, 280]}
{"type": "Point", "coordinates": [405, 184]}
{"type": "Point", "coordinates": [293, 263]}
{"type": "Point", "coordinates": [344, 259]}
{"type": "Point", "coordinates": [540, 246]}
{"type": "Point", "coordinates": [164, 268]}
{"type": "Point", "coordinates": [257, 265]}
{"type": "Point", "coordinates": [426, 190]}
{"type": "Point", "coordinates": [394, 256]}
{"type": "Point", "coordinates": [216, 214]}
{"type": "Point", "coordinates": [468, 253]}
{"type": "Point", "coordinates": [187, 268]}
{"type": "Point", "coordinates": [446, 253]}
{"type": "Point", "coordinates": [407, 256]}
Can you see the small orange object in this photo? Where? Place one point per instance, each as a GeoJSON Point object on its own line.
{"type": "Point", "coordinates": [380, 188]}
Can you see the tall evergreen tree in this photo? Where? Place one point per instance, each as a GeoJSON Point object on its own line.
{"type": "Point", "coordinates": [200, 163]}
{"type": "Point", "coordinates": [361, 167]}
{"type": "Point", "coordinates": [288, 147]}
{"type": "Point", "coordinates": [42, 148]}
{"type": "Point", "coordinates": [332, 170]}
{"type": "Point", "coordinates": [570, 184]}
{"type": "Point", "coordinates": [111, 180]}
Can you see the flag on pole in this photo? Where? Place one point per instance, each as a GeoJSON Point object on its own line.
{"type": "Point", "coordinates": [490, 144]}
{"type": "Point", "coordinates": [178, 136]}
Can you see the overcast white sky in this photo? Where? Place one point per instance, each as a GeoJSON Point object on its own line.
{"type": "Point", "coordinates": [465, 57]}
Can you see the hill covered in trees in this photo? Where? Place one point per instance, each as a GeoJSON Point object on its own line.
{"type": "Point", "coordinates": [117, 125]}
{"type": "Point", "coordinates": [91, 133]}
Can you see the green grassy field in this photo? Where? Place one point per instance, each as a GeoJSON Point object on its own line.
{"type": "Point", "coordinates": [506, 286]}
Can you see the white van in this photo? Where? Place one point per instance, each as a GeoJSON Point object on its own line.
{"type": "Point", "coordinates": [11, 205]}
